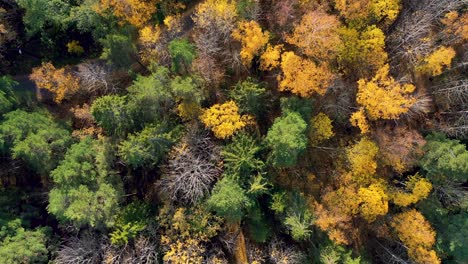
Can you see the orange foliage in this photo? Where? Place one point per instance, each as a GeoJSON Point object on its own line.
{"type": "Point", "coordinates": [317, 35]}
{"type": "Point", "coordinates": [302, 76]}
{"type": "Point", "coordinates": [417, 235]}
{"type": "Point", "coordinates": [57, 81]}
{"type": "Point", "coordinates": [270, 59]}
{"type": "Point", "coordinates": [456, 25]}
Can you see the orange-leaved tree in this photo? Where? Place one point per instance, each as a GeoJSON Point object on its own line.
{"type": "Point", "coordinates": [61, 83]}
{"type": "Point", "coordinates": [135, 12]}
{"type": "Point", "coordinates": [302, 76]}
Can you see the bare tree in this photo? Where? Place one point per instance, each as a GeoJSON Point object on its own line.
{"type": "Point", "coordinates": [83, 250]}
{"type": "Point", "coordinates": [192, 169]}
{"type": "Point", "coordinates": [96, 77]}
{"type": "Point", "coordinates": [282, 253]}
{"type": "Point", "coordinates": [143, 251]}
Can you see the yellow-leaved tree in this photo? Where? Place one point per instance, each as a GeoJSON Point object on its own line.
{"type": "Point", "coordinates": [302, 76]}
{"type": "Point", "coordinates": [250, 34]}
{"type": "Point", "coordinates": [435, 62]}
{"type": "Point", "coordinates": [270, 59]}
{"type": "Point", "coordinates": [360, 12]}
{"type": "Point", "coordinates": [321, 128]}
{"type": "Point", "coordinates": [417, 189]}
{"type": "Point", "coordinates": [317, 35]}
{"type": "Point", "coordinates": [384, 98]}
{"type": "Point", "coordinates": [150, 48]}
{"type": "Point", "coordinates": [373, 202]}
{"type": "Point", "coordinates": [135, 12]}
{"type": "Point", "coordinates": [359, 119]}
{"type": "Point", "coordinates": [224, 119]}
{"type": "Point", "coordinates": [61, 83]}
{"type": "Point", "coordinates": [417, 235]}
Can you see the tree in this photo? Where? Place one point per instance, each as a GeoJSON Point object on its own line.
{"type": "Point", "coordinates": [240, 157]}
{"type": "Point", "coordinates": [417, 188]}
{"type": "Point", "coordinates": [191, 170]}
{"type": "Point", "coordinates": [437, 60]}
{"type": "Point", "coordinates": [252, 39]}
{"type": "Point", "coordinates": [8, 98]}
{"type": "Point", "coordinates": [361, 53]}
{"type": "Point", "coordinates": [374, 202]}
{"type": "Point", "coordinates": [224, 119]}
{"type": "Point", "coordinates": [321, 128]}
{"type": "Point", "coordinates": [250, 96]}
{"type": "Point", "coordinates": [270, 59]}
{"type": "Point", "coordinates": [34, 138]}
{"type": "Point", "coordinates": [118, 50]}
{"type": "Point", "coordinates": [362, 158]}
{"type": "Point", "coordinates": [135, 12]}
{"type": "Point", "coordinates": [61, 83]}
{"type": "Point", "coordinates": [384, 98]}
{"type": "Point", "coordinates": [148, 147]}
{"type": "Point", "coordinates": [182, 53]}
{"type": "Point", "coordinates": [302, 76]}
{"type": "Point", "coordinates": [317, 35]}
{"type": "Point", "coordinates": [287, 139]}
{"type": "Point", "coordinates": [19, 245]}
{"type": "Point", "coordinates": [362, 12]}
{"type": "Point", "coordinates": [85, 192]}
{"type": "Point", "coordinates": [417, 235]}
{"type": "Point", "coordinates": [131, 220]}
{"type": "Point", "coordinates": [359, 119]}
{"type": "Point", "coordinates": [217, 16]}
{"type": "Point", "coordinates": [229, 200]}
{"type": "Point", "coordinates": [112, 114]}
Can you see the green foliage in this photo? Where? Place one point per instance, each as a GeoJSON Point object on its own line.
{"type": "Point", "coordinates": [112, 113]}
{"type": "Point", "coordinates": [287, 139]}
{"type": "Point", "coordinates": [8, 99]}
{"type": "Point", "coordinates": [150, 96]}
{"type": "Point", "coordinates": [85, 191]}
{"type": "Point", "coordinates": [18, 245]}
{"type": "Point", "coordinates": [297, 217]}
{"type": "Point", "coordinates": [187, 89]}
{"type": "Point", "coordinates": [229, 200]}
{"type": "Point", "coordinates": [118, 50]}
{"type": "Point", "coordinates": [34, 138]}
{"type": "Point", "coordinates": [85, 18]}
{"type": "Point", "coordinates": [302, 106]}
{"type": "Point", "coordinates": [334, 254]}
{"type": "Point", "coordinates": [258, 225]}
{"type": "Point", "coordinates": [451, 228]}
{"type": "Point", "coordinates": [250, 97]}
{"type": "Point", "coordinates": [445, 159]}
{"type": "Point", "coordinates": [148, 147]}
{"type": "Point", "coordinates": [278, 202]}
{"type": "Point", "coordinates": [42, 13]}
{"type": "Point", "coordinates": [131, 220]}
{"type": "Point", "coordinates": [241, 157]}
{"type": "Point", "coordinates": [182, 53]}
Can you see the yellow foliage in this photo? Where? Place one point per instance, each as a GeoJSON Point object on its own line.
{"type": "Point", "coordinates": [317, 35]}
{"type": "Point", "coordinates": [383, 97]}
{"type": "Point", "coordinates": [135, 12]}
{"type": "Point", "coordinates": [57, 81]}
{"type": "Point", "coordinates": [321, 128]}
{"type": "Point", "coordinates": [149, 37]}
{"type": "Point", "coordinates": [456, 25]}
{"type": "Point", "coordinates": [361, 11]}
{"type": "Point", "coordinates": [437, 60]}
{"type": "Point", "coordinates": [224, 119]}
{"type": "Point", "coordinates": [302, 76]}
{"type": "Point", "coordinates": [270, 59]}
{"type": "Point", "coordinates": [418, 189]}
{"type": "Point", "coordinates": [173, 23]}
{"type": "Point", "coordinates": [75, 47]}
{"type": "Point", "coordinates": [252, 39]}
{"type": "Point", "coordinates": [374, 202]}
{"type": "Point", "coordinates": [358, 119]}
{"type": "Point", "coordinates": [417, 235]}
{"type": "Point", "coordinates": [188, 110]}
{"type": "Point", "coordinates": [362, 157]}
{"type": "Point", "coordinates": [215, 13]}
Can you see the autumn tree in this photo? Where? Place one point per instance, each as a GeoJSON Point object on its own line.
{"type": "Point", "coordinates": [374, 202]}
{"type": "Point", "coordinates": [224, 119]}
{"type": "Point", "coordinates": [58, 81]}
{"type": "Point", "coordinates": [321, 128]}
{"type": "Point", "coordinates": [361, 53]}
{"type": "Point", "coordinates": [435, 62]}
{"type": "Point", "coordinates": [302, 76]}
{"type": "Point", "coordinates": [287, 139]}
{"type": "Point", "coordinates": [317, 35]}
{"type": "Point", "coordinates": [362, 12]}
{"type": "Point", "coordinates": [416, 189]}
{"type": "Point", "coordinates": [250, 34]}
{"type": "Point", "coordinates": [137, 13]}
{"type": "Point", "coordinates": [417, 235]}
{"type": "Point", "coordinates": [270, 58]}
{"type": "Point", "coordinates": [384, 98]}
{"type": "Point", "coordinates": [362, 158]}
{"type": "Point", "coordinates": [189, 95]}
